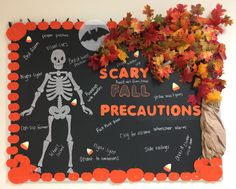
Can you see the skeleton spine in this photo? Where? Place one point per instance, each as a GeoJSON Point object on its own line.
{"type": "Point", "coordinates": [59, 101]}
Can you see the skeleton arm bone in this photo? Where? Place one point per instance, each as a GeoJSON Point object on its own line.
{"type": "Point", "coordinates": [80, 93]}
{"type": "Point", "coordinates": [36, 96]}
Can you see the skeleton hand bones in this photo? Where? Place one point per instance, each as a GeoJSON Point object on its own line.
{"type": "Point", "coordinates": [87, 110]}
{"type": "Point", "coordinates": [27, 112]}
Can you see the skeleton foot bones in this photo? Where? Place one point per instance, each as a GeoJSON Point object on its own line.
{"type": "Point", "coordinates": [59, 86]}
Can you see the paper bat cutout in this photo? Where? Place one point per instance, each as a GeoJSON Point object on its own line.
{"type": "Point", "coordinates": [94, 34]}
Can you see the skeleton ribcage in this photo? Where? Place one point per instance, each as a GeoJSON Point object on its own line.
{"type": "Point", "coordinates": [59, 86]}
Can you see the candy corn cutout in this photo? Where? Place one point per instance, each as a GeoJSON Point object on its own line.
{"type": "Point", "coordinates": [167, 167]}
{"type": "Point", "coordinates": [175, 87]}
{"type": "Point", "coordinates": [74, 102]}
{"type": "Point", "coordinates": [25, 145]}
{"type": "Point", "coordinates": [136, 54]}
{"type": "Point", "coordinates": [89, 151]}
{"type": "Point", "coordinates": [28, 39]}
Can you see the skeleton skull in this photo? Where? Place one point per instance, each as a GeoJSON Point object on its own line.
{"type": "Point", "coordinates": [58, 58]}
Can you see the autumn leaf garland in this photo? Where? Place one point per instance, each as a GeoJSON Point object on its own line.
{"type": "Point", "coordinates": [182, 41]}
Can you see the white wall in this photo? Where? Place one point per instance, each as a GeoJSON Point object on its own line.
{"type": "Point", "coordinates": [13, 10]}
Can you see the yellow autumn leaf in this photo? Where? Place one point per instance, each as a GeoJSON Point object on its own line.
{"type": "Point", "coordinates": [204, 44]}
{"type": "Point", "coordinates": [198, 34]}
{"type": "Point", "coordinates": [213, 96]}
{"type": "Point", "coordinates": [195, 28]}
{"type": "Point", "coordinates": [182, 48]}
{"type": "Point", "coordinates": [202, 70]}
{"type": "Point", "coordinates": [158, 60]}
{"type": "Point", "coordinates": [206, 55]}
{"type": "Point", "coordinates": [218, 64]}
{"type": "Point", "coordinates": [196, 83]}
{"type": "Point", "coordinates": [122, 55]}
{"type": "Point", "coordinates": [171, 54]}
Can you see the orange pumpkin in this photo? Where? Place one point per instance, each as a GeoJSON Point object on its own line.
{"type": "Point", "coordinates": [31, 26]}
{"type": "Point", "coordinates": [117, 176]}
{"type": "Point", "coordinates": [13, 46]}
{"type": "Point", "coordinates": [78, 24]}
{"type": "Point", "coordinates": [16, 31]}
{"type": "Point", "coordinates": [67, 25]}
{"type": "Point", "coordinates": [43, 25]}
{"type": "Point", "coordinates": [209, 170]}
{"type": "Point", "coordinates": [55, 25]}
{"type": "Point", "coordinates": [211, 173]}
{"type": "Point", "coordinates": [73, 176]}
{"type": "Point", "coordinates": [100, 174]}
{"type": "Point", "coordinates": [111, 24]}
{"type": "Point", "coordinates": [135, 174]}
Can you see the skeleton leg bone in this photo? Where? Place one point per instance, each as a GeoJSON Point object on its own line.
{"type": "Point", "coordinates": [46, 143]}
{"type": "Point", "coordinates": [70, 144]}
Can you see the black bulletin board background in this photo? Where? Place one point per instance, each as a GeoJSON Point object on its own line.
{"type": "Point", "coordinates": [130, 152]}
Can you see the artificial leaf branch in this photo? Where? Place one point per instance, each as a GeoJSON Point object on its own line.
{"type": "Point", "coordinates": [183, 38]}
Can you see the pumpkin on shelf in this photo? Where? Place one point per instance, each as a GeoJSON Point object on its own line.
{"type": "Point", "coordinates": [55, 25]}
{"type": "Point", "coordinates": [78, 25]}
{"type": "Point", "coordinates": [43, 25]}
{"type": "Point", "coordinates": [30, 26]}
{"type": "Point", "coordinates": [67, 25]}
{"type": "Point", "coordinates": [111, 24]}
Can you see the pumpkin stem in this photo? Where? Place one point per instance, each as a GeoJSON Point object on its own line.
{"type": "Point", "coordinates": [55, 19]}
{"type": "Point", "coordinates": [78, 20]}
{"type": "Point", "coordinates": [28, 20]}
{"type": "Point", "coordinates": [67, 19]}
{"type": "Point", "coordinates": [10, 24]}
{"type": "Point", "coordinates": [43, 20]}
{"type": "Point", "coordinates": [110, 19]}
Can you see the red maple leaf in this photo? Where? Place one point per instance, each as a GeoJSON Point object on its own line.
{"type": "Point", "coordinates": [187, 75]}
{"type": "Point", "coordinates": [94, 62]}
{"type": "Point", "coordinates": [221, 49]}
{"type": "Point", "coordinates": [104, 60]}
{"type": "Point", "coordinates": [192, 99]}
{"type": "Point", "coordinates": [181, 8]}
{"type": "Point", "coordinates": [151, 35]}
{"type": "Point", "coordinates": [217, 19]}
{"type": "Point", "coordinates": [113, 54]}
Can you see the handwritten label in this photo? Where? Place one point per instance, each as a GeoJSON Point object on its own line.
{"type": "Point", "coordinates": [185, 148]}
{"type": "Point", "coordinates": [27, 55]}
{"type": "Point", "coordinates": [27, 77]}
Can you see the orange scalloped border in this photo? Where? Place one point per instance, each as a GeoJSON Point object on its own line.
{"type": "Point", "coordinates": [21, 169]}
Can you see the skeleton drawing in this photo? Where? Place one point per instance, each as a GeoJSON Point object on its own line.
{"type": "Point", "coordinates": [59, 86]}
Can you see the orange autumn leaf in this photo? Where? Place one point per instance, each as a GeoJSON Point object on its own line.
{"type": "Point", "coordinates": [197, 82]}
{"type": "Point", "coordinates": [165, 71]}
{"type": "Point", "coordinates": [202, 70]}
{"type": "Point", "coordinates": [213, 96]}
{"type": "Point", "coordinates": [136, 25]}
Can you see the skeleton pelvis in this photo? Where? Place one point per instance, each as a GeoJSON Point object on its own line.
{"type": "Point", "coordinates": [59, 113]}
